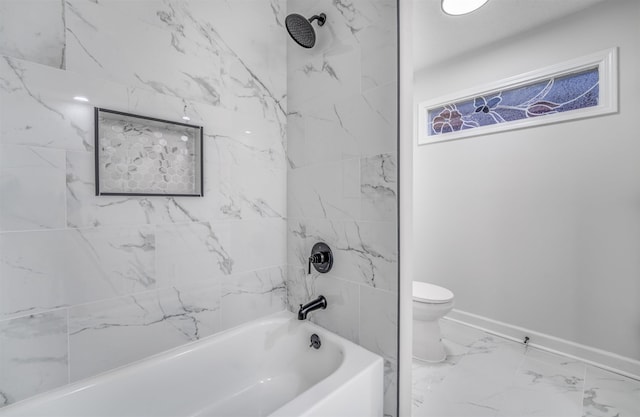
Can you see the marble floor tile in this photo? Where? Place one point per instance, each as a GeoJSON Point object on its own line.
{"type": "Point", "coordinates": [608, 395]}
{"type": "Point", "coordinates": [485, 375]}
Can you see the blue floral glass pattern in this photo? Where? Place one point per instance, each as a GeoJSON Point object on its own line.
{"type": "Point", "coordinates": [553, 95]}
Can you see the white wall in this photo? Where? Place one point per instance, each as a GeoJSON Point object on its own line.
{"type": "Point", "coordinates": [540, 228]}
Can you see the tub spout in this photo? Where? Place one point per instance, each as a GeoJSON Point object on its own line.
{"type": "Point", "coordinates": [318, 303]}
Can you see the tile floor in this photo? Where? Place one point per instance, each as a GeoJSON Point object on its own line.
{"type": "Point", "coordinates": [485, 375]}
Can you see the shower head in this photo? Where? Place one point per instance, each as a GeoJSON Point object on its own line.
{"type": "Point", "coordinates": [301, 30]}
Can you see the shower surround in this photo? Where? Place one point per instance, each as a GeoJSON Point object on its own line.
{"type": "Point", "coordinates": [300, 146]}
{"type": "Point", "coordinates": [341, 181]}
{"type": "Point", "coordinates": [91, 283]}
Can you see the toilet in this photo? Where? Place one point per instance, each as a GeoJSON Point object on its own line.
{"type": "Point", "coordinates": [430, 303]}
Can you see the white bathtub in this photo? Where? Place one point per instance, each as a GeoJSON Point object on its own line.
{"type": "Point", "coordinates": [263, 368]}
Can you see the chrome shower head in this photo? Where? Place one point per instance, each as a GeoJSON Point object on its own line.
{"type": "Point", "coordinates": [301, 30]}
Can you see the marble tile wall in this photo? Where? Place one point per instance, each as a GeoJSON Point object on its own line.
{"type": "Point", "coordinates": [91, 283]}
{"type": "Point", "coordinates": [342, 184]}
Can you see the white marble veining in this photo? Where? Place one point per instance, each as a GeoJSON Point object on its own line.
{"type": "Point", "coordinates": [32, 188]}
{"type": "Point", "coordinates": [138, 275]}
{"type": "Point", "coordinates": [38, 107]}
{"type": "Point", "coordinates": [378, 333]}
{"type": "Point", "coordinates": [338, 129]}
{"type": "Point", "coordinates": [35, 36]}
{"type": "Point", "coordinates": [251, 295]}
{"type": "Point", "coordinates": [185, 49]}
{"type": "Point", "coordinates": [364, 252]}
{"type": "Point", "coordinates": [486, 375]}
{"type": "Point", "coordinates": [330, 191]}
{"type": "Point", "coordinates": [192, 252]}
{"type": "Point", "coordinates": [341, 151]}
{"type": "Point", "coordinates": [49, 269]}
{"type": "Point", "coordinates": [115, 332]}
{"type": "Point", "coordinates": [342, 296]}
{"type": "Point", "coordinates": [33, 355]}
{"type": "Point", "coordinates": [608, 395]}
{"type": "Point", "coordinates": [378, 184]}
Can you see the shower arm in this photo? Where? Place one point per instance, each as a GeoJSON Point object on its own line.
{"type": "Point", "coordinates": [321, 18]}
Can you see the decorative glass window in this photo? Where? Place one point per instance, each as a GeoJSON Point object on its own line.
{"type": "Point", "coordinates": [580, 88]}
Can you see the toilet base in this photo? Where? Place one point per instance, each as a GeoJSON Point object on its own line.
{"type": "Point", "coordinates": [427, 341]}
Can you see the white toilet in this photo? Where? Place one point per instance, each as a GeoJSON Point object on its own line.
{"type": "Point", "coordinates": [430, 303]}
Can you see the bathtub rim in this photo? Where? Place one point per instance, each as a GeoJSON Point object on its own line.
{"type": "Point", "coordinates": [355, 361]}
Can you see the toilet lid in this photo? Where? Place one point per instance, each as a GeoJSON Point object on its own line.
{"type": "Point", "coordinates": [431, 293]}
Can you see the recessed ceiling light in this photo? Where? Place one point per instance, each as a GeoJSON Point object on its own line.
{"type": "Point", "coordinates": [81, 98]}
{"type": "Point", "coordinates": [187, 118]}
{"type": "Point", "coordinates": [248, 132]}
{"type": "Point", "coordinates": [459, 7]}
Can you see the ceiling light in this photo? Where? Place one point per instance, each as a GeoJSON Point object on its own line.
{"type": "Point", "coordinates": [187, 118]}
{"type": "Point", "coordinates": [81, 98]}
{"type": "Point", "coordinates": [459, 7]}
{"type": "Point", "coordinates": [248, 132]}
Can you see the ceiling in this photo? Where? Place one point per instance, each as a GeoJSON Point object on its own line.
{"type": "Point", "coordinates": [438, 37]}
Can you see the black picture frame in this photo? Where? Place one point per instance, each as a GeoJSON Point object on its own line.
{"type": "Point", "coordinates": [146, 122]}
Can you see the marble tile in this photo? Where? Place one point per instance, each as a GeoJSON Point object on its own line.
{"type": "Point", "coordinates": [32, 187]}
{"type": "Point", "coordinates": [33, 355]}
{"type": "Point", "coordinates": [426, 377]}
{"type": "Point", "coordinates": [384, 102]}
{"type": "Point", "coordinates": [296, 141]}
{"type": "Point", "coordinates": [343, 300]}
{"type": "Point", "coordinates": [299, 287]}
{"type": "Point", "coordinates": [607, 394]}
{"type": "Point", "coordinates": [48, 269]}
{"type": "Point", "coordinates": [326, 137]}
{"type": "Point", "coordinates": [115, 332]}
{"type": "Point", "coordinates": [192, 252]}
{"type": "Point", "coordinates": [498, 377]}
{"type": "Point", "coordinates": [331, 70]}
{"type": "Point", "coordinates": [367, 119]}
{"type": "Point", "coordinates": [379, 333]}
{"type": "Point", "coordinates": [343, 306]}
{"type": "Point", "coordinates": [379, 322]}
{"type": "Point", "coordinates": [37, 37]}
{"type": "Point", "coordinates": [38, 107]}
{"type": "Point", "coordinates": [258, 244]}
{"type": "Point", "coordinates": [541, 368]}
{"type": "Point", "coordinates": [378, 58]}
{"type": "Point", "coordinates": [329, 73]}
{"type": "Point", "coordinates": [459, 333]}
{"type": "Point", "coordinates": [185, 49]}
{"type": "Point", "coordinates": [85, 209]}
{"type": "Point", "coordinates": [390, 405]}
{"type": "Point", "coordinates": [364, 252]}
{"type": "Point", "coordinates": [325, 191]}
{"type": "Point", "coordinates": [351, 127]}
{"type": "Point", "coordinates": [231, 190]}
{"type": "Point", "coordinates": [251, 295]}
{"type": "Point", "coordinates": [378, 186]}
{"type": "Point", "coordinates": [266, 139]}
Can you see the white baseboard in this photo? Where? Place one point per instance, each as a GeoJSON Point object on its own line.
{"type": "Point", "coordinates": [607, 360]}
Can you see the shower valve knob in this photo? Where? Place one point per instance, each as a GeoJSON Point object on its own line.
{"type": "Point", "coordinates": [321, 258]}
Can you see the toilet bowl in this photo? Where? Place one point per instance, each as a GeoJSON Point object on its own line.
{"type": "Point", "coordinates": [430, 303]}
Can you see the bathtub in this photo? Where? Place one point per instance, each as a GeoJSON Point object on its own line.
{"type": "Point", "coordinates": [263, 368]}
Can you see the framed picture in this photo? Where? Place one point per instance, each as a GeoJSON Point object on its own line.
{"type": "Point", "coordinates": [583, 87]}
{"type": "Point", "coordinates": [144, 156]}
